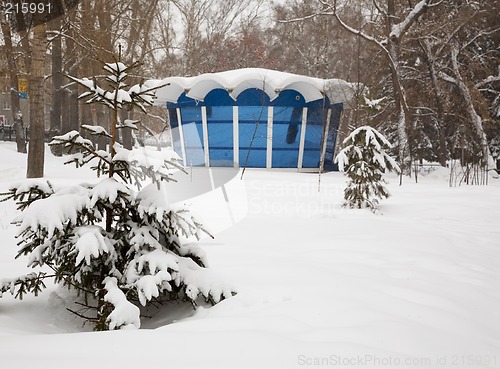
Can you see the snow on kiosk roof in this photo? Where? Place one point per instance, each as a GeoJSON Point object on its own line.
{"type": "Point", "coordinates": [236, 81]}
{"type": "Point", "coordinates": [255, 118]}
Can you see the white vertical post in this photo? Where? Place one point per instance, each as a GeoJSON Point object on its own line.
{"type": "Point", "coordinates": [324, 140]}
{"type": "Point", "coordinates": [170, 138]}
{"type": "Point", "coordinates": [269, 148]}
{"type": "Point", "coordinates": [236, 138]}
{"type": "Point", "coordinates": [204, 125]}
{"type": "Point", "coordinates": [302, 139]}
{"type": "Point", "coordinates": [181, 137]}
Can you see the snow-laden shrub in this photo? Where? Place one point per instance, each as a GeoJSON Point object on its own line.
{"type": "Point", "coordinates": [118, 241]}
{"type": "Point", "coordinates": [364, 160]}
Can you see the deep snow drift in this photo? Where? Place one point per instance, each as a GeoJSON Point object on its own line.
{"type": "Point", "coordinates": [318, 285]}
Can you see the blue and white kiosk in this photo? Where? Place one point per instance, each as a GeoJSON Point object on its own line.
{"type": "Point", "coordinates": [255, 118]}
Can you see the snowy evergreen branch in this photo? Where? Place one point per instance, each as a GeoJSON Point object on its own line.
{"type": "Point", "coordinates": [29, 283]}
{"type": "Point", "coordinates": [129, 123]}
{"type": "Point", "coordinates": [27, 192]}
{"type": "Point", "coordinates": [118, 97]}
{"type": "Point", "coordinates": [96, 130]}
{"type": "Point", "coordinates": [84, 151]}
{"type": "Point", "coordinates": [138, 165]}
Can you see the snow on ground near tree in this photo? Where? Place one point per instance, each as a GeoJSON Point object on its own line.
{"type": "Point", "coordinates": [319, 286]}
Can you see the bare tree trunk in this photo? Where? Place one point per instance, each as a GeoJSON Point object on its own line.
{"type": "Point", "coordinates": [475, 119]}
{"type": "Point", "coordinates": [439, 101]}
{"type": "Point", "coordinates": [86, 118]}
{"type": "Point", "coordinates": [57, 81]}
{"type": "Point", "coordinates": [74, 111]}
{"type": "Point", "coordinates": [102, 120]}
{"type": "Point", "coordinates": [24, 36]}
{"type": "Point", "coordinates": [14, 82]}
{"type": "Point", "coordinates": [65, 111]}
{"type": "Point", "coordinates": [126, 133]}
{"type": "Point", "coordinates": [36, 150]}
{"type": "Point", "coordinates": [71, 121]}
{"type": "Point", "coordinates": [393, 37]}
{"type": "Point", "coordinates": [104, 30]}
{"type": "Point", "coordinates": [402, 110]}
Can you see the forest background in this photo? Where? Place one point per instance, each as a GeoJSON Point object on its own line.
{"type": "Point", "coordinates": [428, 71]}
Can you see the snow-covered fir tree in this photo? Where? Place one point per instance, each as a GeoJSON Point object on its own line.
{"type": "Point", "coordinates": [364, 160]}
{"type": "Point", "coordinates": [118, 242]}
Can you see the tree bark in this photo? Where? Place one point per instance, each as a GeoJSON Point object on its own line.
{"type": "Point", "coordinates": [70, 120]}
{"type": "Point", "coordinates": [14, 83]}
{"type": "Point", "coordinates": [74, 109]}
{"type": "Point", "coordinates": [126, 133]}
{"type": "Point", "coordinates": [57, 81]}
{"type": "Point", "coordinates": [22, 31]}
{"type": "Point", "coordinates": [102, 120]}
{"type": "Point", "coordinates": [104, 31]}
{"type": "Point", "coordinates": [36, 150]}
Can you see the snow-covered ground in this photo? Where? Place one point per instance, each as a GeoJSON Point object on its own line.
{"type": "Point", "coordinates": [416, 286]}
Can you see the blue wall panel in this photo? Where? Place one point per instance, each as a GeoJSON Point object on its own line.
{"type": "Point", "coordinates": [193, 135]}
{"type": "Point", "coordinates": [252, 136]}
{"type": "Point", "coordinates": [287, 124]}
{"type": "Point", "coordinates": [220, 135]}
{"type": "Point", "coordinates": [253, 109]}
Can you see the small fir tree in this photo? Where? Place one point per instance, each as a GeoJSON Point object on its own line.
{"type": "Point", "coordinates": [118, 241]}
{"type": "Point", "coordinates": [364, 160]}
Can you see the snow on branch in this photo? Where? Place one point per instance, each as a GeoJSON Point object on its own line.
{"type": "Point", "coordinates": [374, 103]}
{"type": "Point", "coordinates": [18, 287]}
{"type": "Point", "coordinates": [125, 315]}
{"type": "Point", "coordinates": [64, 206]}
{"type": "Point", "coordinates": [96, 130]}
{"type": "Point", "coordinates": [129, 123]}
{"type": "Point", "coordinates": [117, 68]}
{"type": "Point", "coordinates": [446, 77]}
{"type": "Point", "coordinates": [488, 80]}
{"type": "Point", "coordinates": [83, 149]}
{"type": "Point", "coordinates": [144, 163]}
{"type": "Point", "coordinates": [72, 138]}
{"type": "Point", "coordinates": [108, 189]}
{"type": "Point", "coordinates": [28, 191]}
{"type": "Point", "coordinates": [91, 242]}
{"type": "Point", "coordinates": [152, 272]}
{"type": "Point", "coordinates": [139, 95]}
{"type": "Point", "coordinates": [202, 281]}
{"type": "Point", "coordinates": [398, 30]}
{"type": "Point", "coordinates": [358, 32]}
